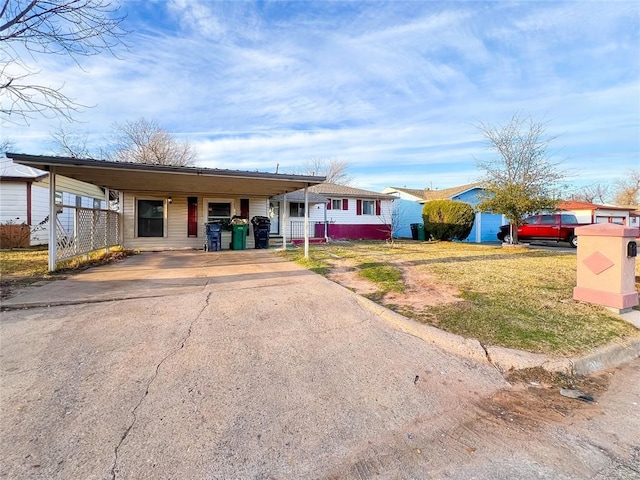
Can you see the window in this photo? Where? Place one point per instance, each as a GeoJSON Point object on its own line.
{"type": "Point", "coordinates": [548, 220]}
{"type": "Point", "coordinates": [336, 204]}
{"type": "Point", "coordinates": [368, 207]}
{"type": "Point", "coordinates": [219, 212]}
{"type": "Point", "coordinates": [150, 218]}
{"type": "Point", "coordinates": [296, 209]}
{"type": "Point", "coordinates": [568, 218]}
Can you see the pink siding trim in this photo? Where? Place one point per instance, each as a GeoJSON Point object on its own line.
{"type": "Point", "coordinates": [377, 231]}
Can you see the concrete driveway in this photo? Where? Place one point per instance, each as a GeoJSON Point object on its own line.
{"type": "Point", "coordinates": [234, 365]}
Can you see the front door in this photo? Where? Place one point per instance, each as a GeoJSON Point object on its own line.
{"type": "Point", "coordinates": [274, 215]}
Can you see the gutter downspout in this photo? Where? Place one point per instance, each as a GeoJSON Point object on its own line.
{"type": "Point", "coordinates": [53, 220]}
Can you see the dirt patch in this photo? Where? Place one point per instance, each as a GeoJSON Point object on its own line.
{"type": "Point", "coordinates": [421, 289]}
{"type": "Point", "coordinates": [535, 397]}
{"type": "Point", "coordinates": [345, 272]}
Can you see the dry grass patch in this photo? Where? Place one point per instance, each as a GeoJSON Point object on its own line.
{"type": "Point", "coordinates": [517, 298]}
{"type": "Point", "coordinates": [21, 267]}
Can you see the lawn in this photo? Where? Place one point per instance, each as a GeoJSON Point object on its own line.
{"type": "Point", "coordinates": [23, 266]}
{"type": "Point", "coordinates": [517, 298]}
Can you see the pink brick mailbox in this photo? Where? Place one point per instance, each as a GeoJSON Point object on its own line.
{"type": "Point", "coordinates": [606, 266]}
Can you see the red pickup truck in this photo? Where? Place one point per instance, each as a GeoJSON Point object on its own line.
{"type": "Point", "coordinates": [558, 227]}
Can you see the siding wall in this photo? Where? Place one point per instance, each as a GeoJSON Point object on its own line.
{"type": "Point", "coordinates": [176, 222]}
{"type": "Point", "coordinates": [39, 211]}
{"type": "Point", "coordinates": [13, 208]}
{"type": "Point", "coordinates": [13, 200]}
{"type": "Point", "coordinates": [347, 224]}
{"type": "Point", "coordinates": [76, 187]}
{"type": "Point", "coordinates": [408, 212]}
{"type": "Point", "coordinates": [316, 214]}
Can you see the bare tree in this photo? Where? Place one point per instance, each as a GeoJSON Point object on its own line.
{"type": "Point", "coordinates": [144, 141]}
{"type": "Point", "coordinates": [521, 177]}
{"type": "Point", "coordinates": [628, 189]}
{"type": "Point", "coordinates": [29, 28]}
{"type": "Point", "coordinates": [334, 170]}
{"type": "Point", "coordinates": [593, 193]}
{"type": "Point", "coordinates": [6, 144]}
{"type": "Point", "coordinates": [71, 144]}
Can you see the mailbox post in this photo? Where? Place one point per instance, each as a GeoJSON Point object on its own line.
{"type": "Point", "coordinates": [606, 266]}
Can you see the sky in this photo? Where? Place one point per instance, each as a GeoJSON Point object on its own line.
{"type": "Point", "coordinates": [395, 89]}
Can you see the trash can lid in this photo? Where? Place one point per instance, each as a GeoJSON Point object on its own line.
{"type": "Point", "coordinates": [258, 220]}
{"type": "Point", "coordinates": [238, 220]}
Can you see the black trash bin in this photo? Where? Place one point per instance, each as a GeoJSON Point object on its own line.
{"type": "Point", "coordinates": [261, 229]}
{"type": "Point", "coordinates": [414, 230]}
{"type": "Point", "coordinates": [214, 237]}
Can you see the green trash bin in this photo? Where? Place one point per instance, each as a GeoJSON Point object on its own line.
{"type": "Point", "coordinates": [239, 236]}
{"type": "Point", "coordinates": [422, 233]}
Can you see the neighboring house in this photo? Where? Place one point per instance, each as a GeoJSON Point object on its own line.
{"type": "Point", "coordinates": [349, 213]}
{"type": "Point", "coordinates": [485, 226]}
{"type": "Point", "coordinates": [24, 199]}
{"type": "Point", "coordinates": [587, 212]}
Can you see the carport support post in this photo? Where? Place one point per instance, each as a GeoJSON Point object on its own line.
{"type": "Point", "coordinates": [52, 219]}
{"type": "Point", "coordinates": [306, 221]}
{"type": "Point", "coordinates": [284, 221]}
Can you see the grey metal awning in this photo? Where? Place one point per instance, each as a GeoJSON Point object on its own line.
{"type": "Point", "coordinates": [145, 178]}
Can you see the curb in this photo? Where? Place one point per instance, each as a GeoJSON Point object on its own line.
{"type": "Point", "coordinates": [466, 347]}
{"type": "Point", "coordinates": [507, 359]}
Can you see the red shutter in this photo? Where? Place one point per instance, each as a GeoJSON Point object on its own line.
{"type": "Point", "coordinates": [345, 204]}
{"type": "Point", "coordinates": [358, 207]}
{"type": "Point", "coordinates": [329, 205]}
{"type": "Point", "coordinates": [378, 207]}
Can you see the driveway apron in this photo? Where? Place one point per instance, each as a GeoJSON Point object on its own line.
{"type": "Point", "coordinates": [219, 365]}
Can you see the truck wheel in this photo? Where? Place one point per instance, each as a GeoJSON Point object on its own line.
{"type": "Point", "coordinates": [507, 238]}
{"type": "Point", "coordinates": [573, 241]}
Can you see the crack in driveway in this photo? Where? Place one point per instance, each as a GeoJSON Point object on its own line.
{"type": "Point", "coordinates": [113, 471]}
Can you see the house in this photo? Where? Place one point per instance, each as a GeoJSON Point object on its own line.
{"type": "Point", "coordinates": [409, 209]}
{"type": "Point", "coordinates": [24, 199]}
{"type": "Point", "coordinates": [587, 212]}
{"type": "Point", "coordinates": [159, 206]}
{"type": "Point", "coordinates": [348, 213]}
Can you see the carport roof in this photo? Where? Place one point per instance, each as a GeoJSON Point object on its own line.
{"type": "Point", "coordinates": [166, 179]}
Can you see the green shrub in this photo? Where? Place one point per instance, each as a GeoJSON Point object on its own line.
{"type": "Point", "coordinates": [448, 219]}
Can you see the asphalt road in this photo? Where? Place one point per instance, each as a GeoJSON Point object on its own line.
{"type": "Point", "coordinates": [234, 365]}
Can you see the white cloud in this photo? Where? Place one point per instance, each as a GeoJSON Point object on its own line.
{"type": "Point", "coordinates": [390, 87]}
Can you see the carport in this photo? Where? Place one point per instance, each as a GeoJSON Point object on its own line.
{"type": "Point", "coordinates": [180, 195]}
